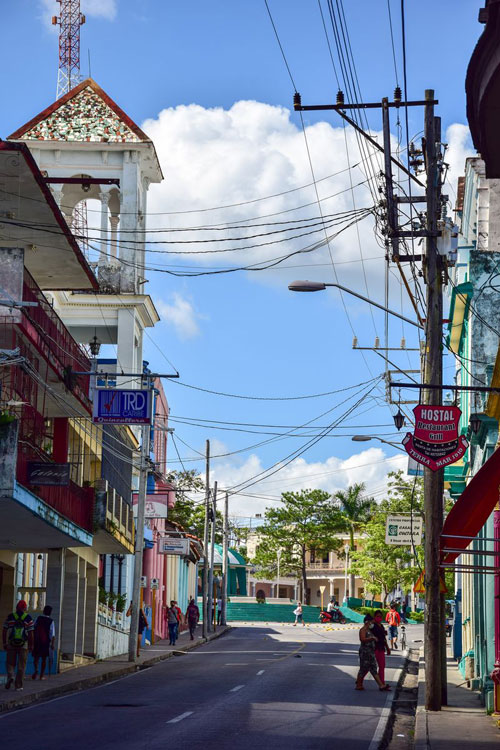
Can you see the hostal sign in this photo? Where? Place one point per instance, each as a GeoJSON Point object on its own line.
{"type": "Point", "coordinates": [435, 442]}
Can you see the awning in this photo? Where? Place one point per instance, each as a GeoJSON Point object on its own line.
{"type": "Point", "coordinates": [472, 509]}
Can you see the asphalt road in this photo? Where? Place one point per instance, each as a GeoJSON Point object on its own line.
{"type": "Point", "coordinates": [271, 686]}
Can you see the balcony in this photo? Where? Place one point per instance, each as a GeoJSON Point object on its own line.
{"type": "Point", "coordinates": [113, 522]}
{"type": "Point", "coordinates": [324, 569]}
{"type": "Point", "coordinates": [42, 328]}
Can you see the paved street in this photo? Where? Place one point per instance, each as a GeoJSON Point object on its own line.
{"type": "Point", "coordinates": [272, 685]}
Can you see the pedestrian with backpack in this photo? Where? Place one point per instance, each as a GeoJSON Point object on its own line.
{"type": "Point", "coordinates": [173, 623]}
{"type": "Point", "coordinates": [44, 638]}
{"type": "Point", "coordinates": [17, 638]}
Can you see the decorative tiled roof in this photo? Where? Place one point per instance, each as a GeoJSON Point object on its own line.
{"type": "Point", "coordinates": [86, 113]}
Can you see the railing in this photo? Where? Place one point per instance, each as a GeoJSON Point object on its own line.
{"type": "Point", "coordinates": [325, 567]}
{"type": "Point", "coordinates": [72, 501]}
{"type": "Point", "coordinates": [52, 338]}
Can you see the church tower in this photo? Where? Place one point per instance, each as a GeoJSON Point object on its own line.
{"type": "Point", "coordinates": [89, 149]}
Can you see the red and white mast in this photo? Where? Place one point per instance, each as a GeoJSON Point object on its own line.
{"type": "Point", "coordinates": [69, 20]}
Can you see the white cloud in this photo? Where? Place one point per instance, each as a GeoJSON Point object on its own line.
{"type": "Point", "coordinates": [370, 466]}
{"type": "Point", "coordinates": [180, 314]}
{"type": "Point", "coordinates": [95, 8]}
{"type": "Point", "coordinates": [459, 149]}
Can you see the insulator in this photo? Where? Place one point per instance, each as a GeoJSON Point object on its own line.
{"type": "Point", "coordinates": [397, 94]}
{"type": "Point", "coordinates": [297, 101]}
{"type": "Point", "coordinates": [340, 97]}
{"type": "Point", "coordinates": [377, 342]}
{"type": "Point", "coordinates": [355, 342]}
{"type": "Point", "coordinates": [403, 343]}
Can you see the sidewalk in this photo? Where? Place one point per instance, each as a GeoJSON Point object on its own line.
{"type": "Point", "coordinates": [463, 723]}
{"type": "Point", "coordinates": [81, 678]}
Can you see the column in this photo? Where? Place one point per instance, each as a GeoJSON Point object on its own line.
{"type": "Point", "coordinates": [114, 221]}
{"type": "Point", "coordinates": [90, 636]}
{"type": "Point", "coordinates": [55, 589]}
{"type": "Point", "coordinates": [61, 439]}
{"type": "Point", "coordinates": [104, 198]}
{"type": "Point", "coordinates": [82, 595]}
{"type": "Point", "coordinates": [126, 346]}
{"type": "Point", "coordinates": [70, 605]}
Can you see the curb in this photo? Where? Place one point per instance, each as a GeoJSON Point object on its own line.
{"type": "Point", "coordinates": [421, 734]}
{"type": "Point", "coordinates": [386, 714]}
{"type": "Point", "coordinates": [95, 680]}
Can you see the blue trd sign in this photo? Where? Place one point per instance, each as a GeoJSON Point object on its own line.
{"type": "Point", "coordinates": [119, 406]}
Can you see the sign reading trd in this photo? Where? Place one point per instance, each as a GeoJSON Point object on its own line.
{"type": "Point", "coordinates": [119, 406]}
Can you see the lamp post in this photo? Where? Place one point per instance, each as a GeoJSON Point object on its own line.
{"type": "Point", "coordinates": [319, 286]}
{"type": "Point", "coordinates": [366, 438]}
{"type": "Point", "coordinates": [346, 550]}
{"type": "Point", "coordinates": [278, 555]}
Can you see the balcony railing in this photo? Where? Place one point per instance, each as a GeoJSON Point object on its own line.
{"type": "Point", "coordinates": [52, 339]}
{"type": "Point", "coordinates": [72, 501]}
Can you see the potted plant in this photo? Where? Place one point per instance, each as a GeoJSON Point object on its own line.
{"type": "Point", "coordinates": [121, 601]}
{"type": "Point", "coordinates": [103, 601]}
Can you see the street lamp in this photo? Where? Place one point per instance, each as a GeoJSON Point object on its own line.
{"type": "Point", "coordinates": [319, 286]}
{"type": "Point", "coordinates": [346, 550]}
{"type": "Point", "coordinates": [366, 438]}
{"type": "Point", "coordinates": [278, 555]}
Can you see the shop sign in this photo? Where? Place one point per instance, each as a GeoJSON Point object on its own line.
{"type": "Point", "coordinates": [403, 530]}
{"type": "Point", "coordinates": [45, 474]}
{"type": "Point", "coordinates": [435, 442]}
{"type": "Point", "coordinates": [120, 406]}
{"type": "Point", "coordinates": [171, 545]}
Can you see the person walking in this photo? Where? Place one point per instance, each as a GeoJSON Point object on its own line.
{"type": "Point", "coordinates": [180, 619]}
{"type": "Point", "coordinates": [17, 638]}
{"type": "Point", "coordinates": [393, 619]}
{"type": "Point", "coordinates": [381, 645]}
{"type": "Point", "coordinates": [219, 610]}
{"type": "Point", "coordinates": [172, 622]}
{"type": "Point", "coordinates": [192, 617]}
{"type": "Point", "coordinates": [143, 624]}
{"type": "Point", "coordinates": [367, 660]}
{"type": "Point", "coordinates": [299, 615]}
{"type": "Point", "coordinates": [44, 638]}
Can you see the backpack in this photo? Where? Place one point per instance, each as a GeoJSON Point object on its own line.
{"type": "Point", "coordinates": [18, 635]}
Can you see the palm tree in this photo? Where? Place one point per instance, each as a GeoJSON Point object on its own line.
{"type": "Point", "coordinates": [354, 509]}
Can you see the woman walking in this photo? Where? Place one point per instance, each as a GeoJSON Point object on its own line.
{"type": "Point", "coordinates": [172, 621]}
{"type": "Point", "coordinates": [298, 614]}
{"type": "Point", "coordinates": [381, 645]}
{"type": "Point", "coordinates": [367, 660]}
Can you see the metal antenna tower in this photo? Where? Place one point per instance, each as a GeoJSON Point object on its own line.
{"type": "Point", "coordinates": [68, 76]}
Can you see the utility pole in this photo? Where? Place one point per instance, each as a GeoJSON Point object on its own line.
{"type": "Point", "coordinates": [433, 373]}
{"type": "Point", "coordinates": [139, 543]}
{"type": "Point", "coordinates": [212, 553]}
{"type": "Point", "coordinates": [205, 541]}
{"type": "Point", "coordinates": [225, 547]}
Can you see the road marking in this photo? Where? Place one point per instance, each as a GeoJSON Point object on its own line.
{"type": "Point", "coordinates": [235, 689]}
{"type": "Point", "coordinates": [180, 717]}
{"type": "Point", "coordinates": [261, 671]}
{"type": "Point", "coordinates": [236, 664]}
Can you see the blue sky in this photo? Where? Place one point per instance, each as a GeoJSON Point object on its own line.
{"type": "Point", "coordinates": [208, 83]}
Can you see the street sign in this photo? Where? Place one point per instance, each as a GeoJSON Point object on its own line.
{"type": "Point", "coordinates": [171, 545]}
{"type": "Point", "coordinates": [120, 406]}
{"type": "Point", "coordinates": [156, 504]}
{"type": "Point", "coordinates": [144, 582]}
{"type": "Point", "coordinates": [45, 474]}
{"type": "Point", "coordinates": [435, 442]}
{"type": "Point", "coordinates": [399, 530]}
{"type": "Point", "coordinates": [155, 584]}
{"type": "Point", "coordinates": [419, 587]}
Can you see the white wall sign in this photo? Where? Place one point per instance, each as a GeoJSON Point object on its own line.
{"type": "Point", "coordinates": [171, 545]}
{"type": "Point", "coordinates": [155, 584]}
{"type": "Point", "coordinates": [144, 582]}
{"type": "Point", "coordinates": [398, 530]}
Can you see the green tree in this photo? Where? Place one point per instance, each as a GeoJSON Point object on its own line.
{"type": "Point", "coordinates": [355, 509]}
{"type": "Point", "coordinates": [383, 566]}
{"type": "Point", "coordinates": [306, 520]}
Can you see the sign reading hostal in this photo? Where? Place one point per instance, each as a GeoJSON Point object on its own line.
{"type": "Point", "coordinates": [435, 442]}
{"type": "Point", "coordinates": [171, 545]}
{"type": "Point", "coordinates": [120, 406]}
{"type": "Point", "coordinates": [400, 529]}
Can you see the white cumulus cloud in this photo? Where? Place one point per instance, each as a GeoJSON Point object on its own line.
{"type": "Point", "coordinates": [181, 314]}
